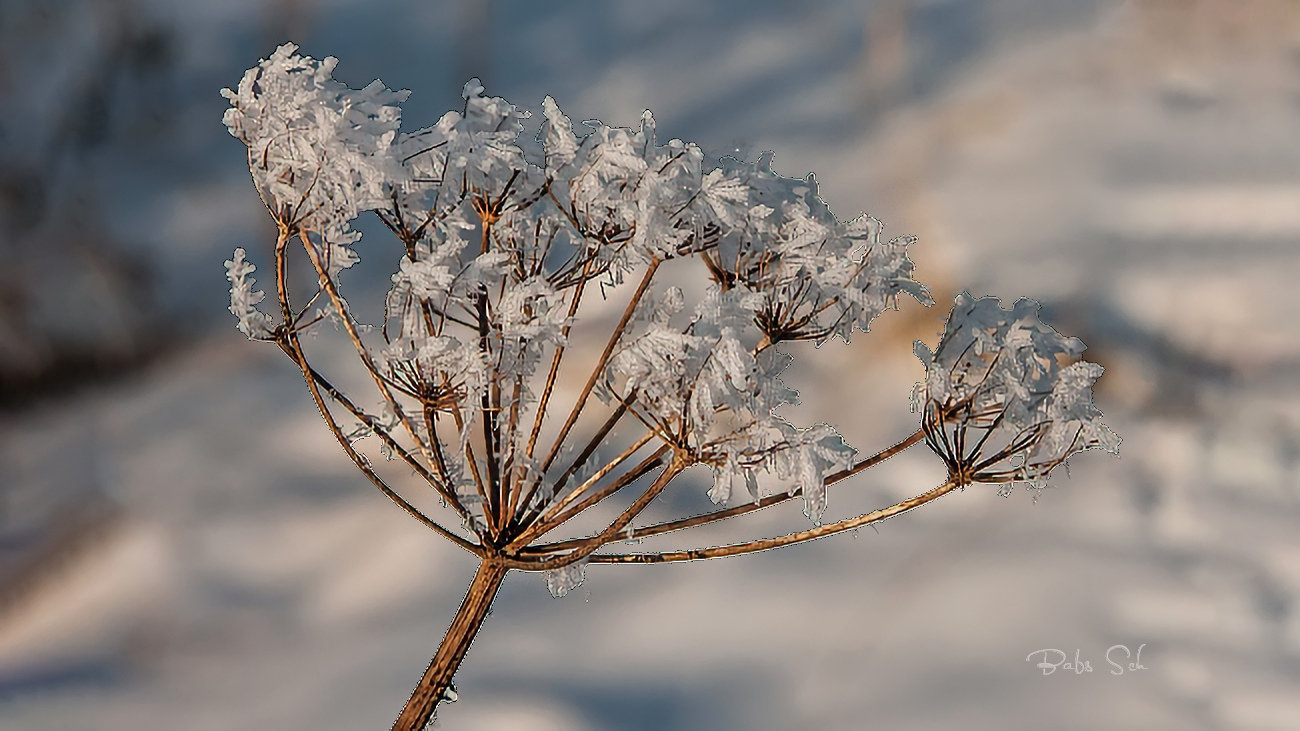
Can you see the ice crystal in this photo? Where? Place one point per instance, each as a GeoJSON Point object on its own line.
{"type": "Point", "coordinates": [243, 300]}
{"type": "Point", "coordinates": [318, 151]}
{"type": "Point", "coordinates": [565, 579]}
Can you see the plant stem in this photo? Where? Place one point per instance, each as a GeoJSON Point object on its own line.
{"type": "Point", "coordinates": [765, 544]}
{"type": "Point", "coordinates": [599, 370]}
{"type": "Point", "coordinates": [437, 678]}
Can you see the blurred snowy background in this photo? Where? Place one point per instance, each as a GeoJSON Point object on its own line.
{"type": "Point", "coordinates": [182, 546]}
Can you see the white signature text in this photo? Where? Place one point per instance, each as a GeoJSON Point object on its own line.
{"type": "Point", "coordinates": [1118, 656]}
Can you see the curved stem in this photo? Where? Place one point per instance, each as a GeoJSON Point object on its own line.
{"type": "Point", "coordinates": [346, 317]}
{"type": "Point", "coordinates": [469, 454]}
{"type": "Point", "coordinates": [455, 644]}
{"type": "Point", "coordinates": [439, 482]}
{"type": "Point", "coordinates": [767, 502]}
{"type": "Point", "coordinates": [292, 347]}
{"type": "Point", "coordinates": [765, 544]}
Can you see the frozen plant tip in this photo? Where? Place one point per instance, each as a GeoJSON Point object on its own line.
{"type": "Point", "coordinates": [497, 252]}
{"type": "Point", "coordinates": [997, 404]}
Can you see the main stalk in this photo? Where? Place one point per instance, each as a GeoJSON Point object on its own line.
{"type": "Point", "coordinates": [437, 678]}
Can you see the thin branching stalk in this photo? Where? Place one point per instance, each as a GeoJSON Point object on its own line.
{"type": "Point", "coordinates": [760, 504]}
{"type": "Point", "coordinates": [346, 318]}
{"type": "Point", "coordinates": [599, 370]}
{"type": "Point", "coordinates": [469, 454]}
{"type": "Point", "coordinates": [545, 399]}
{"type": "Point", "coordinates": [293, 348]}
{"type": "Point", "coordinates": [554, 518]}
{"type": "Point", "coordinates": [438, 483]}
{"type": "Point", "coordinates": [532, 510]}
{"type": "Point", "coordinates": [559, 355]}
{"type": "Point", "coordinates": [766, 544]}
{"type": "Point", "coordinates": [295, 352]}
{"type": "Point", "coordinates": [610, 534]}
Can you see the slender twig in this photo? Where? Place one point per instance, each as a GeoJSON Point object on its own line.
{"type": "Point", "coordinates": [760, 504]}
{"type": "Point", "coordinates": [440, 484]}
{"type": "Point", "coordinates": [598, 371]}
{"type": "Point", "coordinates": [531, 510]}
{"type": "Point", "coordinates": [293, 348]}
{"type": "Point", "coordinates": [766, 544]}
{"type": "Point", "coordinates": [431, 431]}
{"type": "Point", "coordinates": [611, 533]}
{"type": "Point", "coordinates": [488, 404]}
{"type": "Point", "coordinates": [469, 453]}
{"type": "Point", "coordinates": [507, 469]}
{"type": "Point", "coordinates": [362, 352]}
{"type": "Point", "coordinates": [553, 516]}
{"type": "Point", "coordinates": [555, 360]}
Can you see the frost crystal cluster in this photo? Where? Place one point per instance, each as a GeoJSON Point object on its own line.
{"type": "Point", "coordinates": [998, 404]}
{"type": "Point", "coordinates": [505, 260]}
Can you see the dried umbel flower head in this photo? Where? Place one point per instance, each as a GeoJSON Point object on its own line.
{"type": "Point", "coordinates": [999, 402]}
{"type": "Point", "coordinates": [319, 152]}
{"type": "Point", "coordinates": [495, 254]}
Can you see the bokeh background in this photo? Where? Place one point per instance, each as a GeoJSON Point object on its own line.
{"type": "Point", "coordinates": [182, 546]}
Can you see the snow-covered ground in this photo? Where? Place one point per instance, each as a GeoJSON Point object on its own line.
{"type": "Point", "coordinates": [1139, 175]}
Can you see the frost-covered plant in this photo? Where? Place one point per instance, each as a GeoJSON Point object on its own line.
{"type": "Point", "coordinates": [498, 249]}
